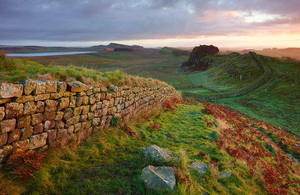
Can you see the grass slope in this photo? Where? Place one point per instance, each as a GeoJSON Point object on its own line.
{"type": "Point", "coordinates": [110, 162]}
{"type": "Point", "coordinates": [275, 100]}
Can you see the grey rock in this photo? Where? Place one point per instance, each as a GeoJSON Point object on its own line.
{"type": "Point", "coordinates": [202, 168]}
{"type": "Point", "coordinates": [157, 154]}
{"type": "Point", "coordinates": [158, 178]}
{"type": "Point", "coordinates": [226, 175]}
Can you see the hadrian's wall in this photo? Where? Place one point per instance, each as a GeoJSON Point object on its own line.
{"type": "Point", "coordinates": [36, 115]}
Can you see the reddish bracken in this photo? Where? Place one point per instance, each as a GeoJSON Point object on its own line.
{"type": "Point", "coordinates": [201, 154]}
{"type": "Point", "coordinates": [244, 141]}
{"type": "Point", "coordinates": [155, 126]}
{"type": "Point", "coordinates": [181, 176]}
{"type": "Point", "coordinates": [209, 124]}
{"type": "Point", "coordinates": [24, 162]}
{"type": "Point", "coordinates": [130, 132]}
{"type": "Point", "coordinates": [171, 104]}
{"type": "Point", "coordinates": [171, 137]}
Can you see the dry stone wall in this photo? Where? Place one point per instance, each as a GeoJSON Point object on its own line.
{"type": "Point", "coordinates": [38, 114]}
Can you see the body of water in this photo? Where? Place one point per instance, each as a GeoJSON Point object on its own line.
{"type": "Point", "coordinates": [47, 54]}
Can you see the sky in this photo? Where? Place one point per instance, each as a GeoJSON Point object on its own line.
{"type": "Point", "coordinates": [151, 23]}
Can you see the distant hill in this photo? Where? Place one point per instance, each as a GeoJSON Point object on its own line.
{"type": "Point", "coordinates": [37, 49]}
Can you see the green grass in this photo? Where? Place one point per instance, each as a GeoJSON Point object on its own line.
{"type": "Point", "coordinates": [154, 63]}
{"type": "Point", "coordinates": [17, 70]}
{"type": "Point", "coordinates": [110, 161]}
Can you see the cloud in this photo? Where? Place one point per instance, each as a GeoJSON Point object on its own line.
{"type": "Point", "coordinates": [105, 20]}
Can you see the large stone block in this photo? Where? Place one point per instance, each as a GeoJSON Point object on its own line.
{"type": "Point", "coordinates": [51, 105]}
{"type": "Point", "coordinates": [26, 132]}
{"type": "Point", "coordinates": [51, 86]}
{"type": "Point", "coordinates": [41, 97]}
{"type": "Point", "coordinates": [92, 99]}
{"type": "Point", "coordinates": [85, 109]}
{"type": "Point", "coordinates": [72, 103]}
{"type": "Point", "coordinates": [2, 113]}
{"type": "Point", "coordinates": [24, 144]}
{"type": "Point", "coordinates": [24, 99]}
{"type": "Point", "coordinates": [40, 88]}
{"type": "Point", "coordinates": [37, 141]}
{"type": "Point", "coordinates": [29, 85]}
{"type": "Point", "coordinates": [84, 118]}
{"type": "Point", "coordinates": [37, 118]}
{"type": "Point", "coordinates": [29, 108]}
{"type": "Point", "coordinates": [52, 135]}
{"type": "Point", "coordinates": [61, 87]}
{"type": "Point", "coordinates": [158, 178]}
{"type": "Point", "coordinates": [13, 110]}
{"type": "Point", "coordinates": [77, 111]}
{"type": "Point", "coordinates": [8, 90]}
{"type": "Point", "coordinates": [3, 139]}
{"type": "Point", "coordinates": [38, 128]}
{"type": "Point", "coordinates": [68, 113]}
{"type": "Point", "coordinates": [49, 116]}
{"type": "Point", "coordinates": [63, 103]}
{"type": "Point", "coordinates": [40, 106]}
{"type": "Point", "coordinates": [14, 136]}
{"type": "Point", "coordinates": [59, 125]}
{"type": "Point", "coordinates": [55, 96]}
{"type": "Point", "coordinates": [23, 122]}
{"type": "Point", "coordinates": [5, 152]}
{"type": "Point", "coordinates": [8, 125]}
{"type": "Point", "coordinates": [49, 125]}
{"type": "Point", "coordinates": [76, 86]}
{"type": "Point", "coordinates": [157, 154]}
{"type": "Point", "coordinates": [59, 116]}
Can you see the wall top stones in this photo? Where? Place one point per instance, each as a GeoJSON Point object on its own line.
{"type": "Point", "coordinates": [40, 87]}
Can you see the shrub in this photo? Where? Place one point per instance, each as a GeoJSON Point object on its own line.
{"type": "Point", "coordinates": [114, 121]}
{"type": "Point", "coordinates": [24, 162]}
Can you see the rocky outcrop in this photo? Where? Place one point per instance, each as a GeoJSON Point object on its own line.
{"type": "Point", "coordinates": [195, 61]}
{"type": "Point", "coordinates": [157, 154]}
{"type": "Point", "coordinates": [158, 178]}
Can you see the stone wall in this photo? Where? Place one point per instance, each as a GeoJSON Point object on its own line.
{"type": "Point", "coordinates": [36, 115]}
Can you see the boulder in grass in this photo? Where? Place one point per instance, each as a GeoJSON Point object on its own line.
{"type": "Point", "coordinates": [226, 175]}
{"type": "Point", "coordinates": [157, 154]}
{"type": "Point", "coordinates": [158, 178]}
{"type": "Point", "coordinates": [202, 168]}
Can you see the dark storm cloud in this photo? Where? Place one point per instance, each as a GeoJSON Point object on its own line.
{"type": "Point", "coordinates": [104, 20]}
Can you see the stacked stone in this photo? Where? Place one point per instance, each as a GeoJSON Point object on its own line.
{"type": "Point", "coordinates": [36, 115]}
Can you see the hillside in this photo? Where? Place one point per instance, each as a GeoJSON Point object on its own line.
{"type": "Point", "coordinates": [258, 158]}
{"type": "Point", "coordinates": [260, 86]}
